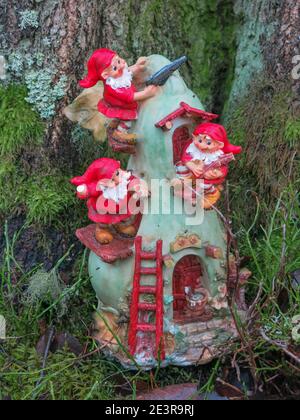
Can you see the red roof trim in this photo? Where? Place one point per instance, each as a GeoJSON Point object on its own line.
{"type": "Point", "coordinates": [185, 108]}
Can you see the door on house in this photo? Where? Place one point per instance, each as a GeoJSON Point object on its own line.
{"type": "Point", "coordinates": [188, 272]}
{"type": "Point", "coordinates": [181, 137]}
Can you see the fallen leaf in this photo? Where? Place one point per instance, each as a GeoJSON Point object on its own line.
{"type": "Point", "coordinates": [125, 387]}
{"type": "Point", "coordinates": [65, 339]}
{"type": "Point", "coordinates": [183, 392]}
{"type": "Point", "coordinates": [224, 389]}
{"type": "Point", "coordinates": [172, 392]}
{"type": "Point", "coordinates": [43, 342]}
{"type": "Point", "coordinates": [59, 342]}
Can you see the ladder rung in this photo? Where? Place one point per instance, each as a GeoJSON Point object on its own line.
{"type": "Point", "coordinates": [148, 256]}
{"type": "Point", "coordinates": [144, 306]}
{"type": "Point", "coordinates": [148, 289]}
{"type": "Point", "coordinates": [148, 271]}
{"type": "Point", "coordinates": [146, 327]}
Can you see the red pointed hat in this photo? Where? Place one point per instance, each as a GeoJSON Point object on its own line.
{"type": "Point", "coordinates": [99, 61]}
{"type": "Point", "coordinates": [100, 169]}
{"type": "Point", "coordinates": [217, 132]}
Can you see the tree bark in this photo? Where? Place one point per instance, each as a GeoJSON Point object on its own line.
{"type": "Point", "coordinates": [268, 39]}
{"type": "Point", "coordinates": [73, 29]}
{"type": "Point", "coordinates": [285, 45]}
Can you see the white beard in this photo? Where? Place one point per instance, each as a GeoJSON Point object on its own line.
{"type": "Point", "coordinates": [119, 192]}
{"type": "Point", "coordinates": [123, 81]}
{"type": "Point", "coordinates": [207, 158]}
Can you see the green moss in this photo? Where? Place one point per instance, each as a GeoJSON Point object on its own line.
{"type": "Point", "coordinates": [204, 31]}
{"type": "Point", "coordinates": [21, 129]}
{"type": "Point", "coordinates": [87, 148]}
{"type": "Point", "coordinates": [20, 126]}
{"type": "Point", "coordinates": [65, 377]}
{"type": "Point", "coordinates": [9, 187]}
{"type": "Point", "coordinates": [44, 198]}
{"type": "Point", "coordinates": [36, 188]}
{"type": "Point", "coordinates": [292, 131]}
{"type": "Point", "coordinates": [47, 198]}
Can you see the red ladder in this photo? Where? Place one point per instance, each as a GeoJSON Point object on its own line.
{"type": "Point", "coordinates": [157, 291]}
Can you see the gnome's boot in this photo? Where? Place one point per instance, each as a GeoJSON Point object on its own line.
{"type": "Point", "coordinates": [121, 134]}
{"type": "Point", "coordinates": [211, 198]}
{"type": "Point", "coordinates": [103, 235]}
{"type": "Point", "coordinates": [127, 230]}
{"type": "Point", "coordinates": [127, 138]}
{"type": "Point", "coordinates": [113, 124]}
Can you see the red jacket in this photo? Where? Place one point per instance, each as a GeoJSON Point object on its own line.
{"type": "Point", "coordinates": [186, 157]}
{"type": "Point", "coordinates": [119, 103]}
{"type": "Point", "coordinates": [111, 209]}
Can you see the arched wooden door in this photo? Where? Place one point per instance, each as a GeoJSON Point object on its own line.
{"type": "Point", "coordinates": [181, 137]}
{"type": "Point", "coordinates": [188, 272]}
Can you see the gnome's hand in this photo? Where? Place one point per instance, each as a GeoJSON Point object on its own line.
{"type": "Point", "coordinates": [140, 66]}
{"type": "Point", "coordinates": [197, 169]}
{"type": "Point", "coordinates": [82, 191]}
{"type": "Point", "coordinates": [144, 191]}
{"type": "Point", "coordinates": [213, 174]}
{"type": "Point", "coordinates": [141, 190]}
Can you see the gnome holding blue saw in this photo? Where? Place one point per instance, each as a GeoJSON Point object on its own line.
{"type": "Point", "coordinates": [120, 97]}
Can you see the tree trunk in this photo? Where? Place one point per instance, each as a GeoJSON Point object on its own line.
{"type": "Point", "coordinates": [72, 29]}
{"type": "Point", "coordinates": [285, 44]}
{"type": "Point", "coordinates": [267, 42]}
{"type": "Point", "coordinates": [263, 110]}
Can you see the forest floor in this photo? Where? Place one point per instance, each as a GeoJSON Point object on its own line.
{"type": "Point", "coordinates": [49, 352]}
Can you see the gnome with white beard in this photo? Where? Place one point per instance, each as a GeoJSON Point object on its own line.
{"type": "Point", "coordinates": [120, 97]}
{"type": "Point", "coordinates": [113, 198]}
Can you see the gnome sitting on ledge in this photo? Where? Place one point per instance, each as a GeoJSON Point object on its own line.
{"type": "Point", "coordinates": [111, 195]}
{"type": "Point", "coordinates": [120, 98]}
{"type": "Point", "coordinates": [207, 157]}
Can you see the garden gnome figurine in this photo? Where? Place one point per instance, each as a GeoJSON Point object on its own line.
{"type": "Point", "coordinates": [211, 149]}
{"type": "Point", "coordinates": [120, 98]}
{"type": "Point", "coordinates": [111, 194]}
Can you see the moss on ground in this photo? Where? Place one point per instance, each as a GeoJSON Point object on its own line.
{"type": "Point", "coordinates": [65, 376]}
{"type": "Point", "coordinates": [89, 376]}
{"type": "Point", "coordinates": [93, 376]}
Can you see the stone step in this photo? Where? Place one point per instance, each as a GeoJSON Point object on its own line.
{"type": "Point", "coordinates": [197, 328]}
{"type": "Point", "coordinates": [206, 338]}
